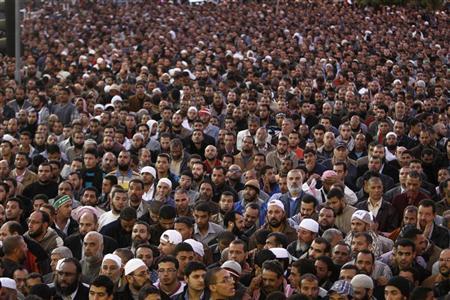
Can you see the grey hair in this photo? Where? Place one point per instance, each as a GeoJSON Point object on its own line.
{"type": "Point", "coordinates": [63, 251]}
{"type": "Point", "coordinates": [330, 233]}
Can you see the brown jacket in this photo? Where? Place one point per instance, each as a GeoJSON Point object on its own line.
{"type": "Point", "coordinates": [290, 233]}
{"type": "Point", "coordinates": [28, 177]}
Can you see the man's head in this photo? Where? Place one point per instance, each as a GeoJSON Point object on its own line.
{"type": "Point", "coordinates": [136, 274]}
{"type": "Point", "coordinates": [111, 267]}
{"type": "Point", "coordinates": [361, 241]}
{"type": "Point", "coordinates": [360, 221]}
{"type": "Point", "coordinates": [194, 276]}
{"type": "Point", "coordinates": [397, 288]}
{"type": "Point", "coordinates": [168, 241]}
{"type": "Point", "coordinates": [319, 247]}
{"type": "Point", "coordinates": [365, 262]}
{"type": "Point", "coordinates": [93, 247]}
{"type": "Point", "coordinates": [309, 286]}
{"type": "Point", "coordinates": [68, 276]}
{"type": "Point", "coordinates": [272, 276]}
{"type": "Point", "coordinates": [220, 282]}
{"type": "Point", "coordinates": [101, 288]}
{"type": "Point", "coordinates": [167, 270]}
{"type": "Point", "coordinates": [404, 253]}
{"type": "Point", "coordinates": [38, 223]}
{"type": "Point", "coordinates": [237, 251]}
{"type": "Point", "coordinates": [275, 213]}
{"type": "Point", "coordinates": [444, 263]}
{"type": "Point", "coordinates": [336, 200]}
{"type": "Point", "coordinates": [426, 213]}
{"type": "Point", "coordinates": [341, 253]}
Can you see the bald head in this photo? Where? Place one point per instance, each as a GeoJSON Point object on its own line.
{"type": "Point", "coordinates": [88, 222]}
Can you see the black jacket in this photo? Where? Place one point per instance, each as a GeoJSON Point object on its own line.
{"type": "Point", "coordinates": [74, 242]}
{"type": "Point", "coordinates": [115, 231]}
{"type": "Point", "coordinates": [82, 293]}
{"type": "Point", "coordinates": [440, 236]}
{"type": "Point", "coordinates": [387, 217]}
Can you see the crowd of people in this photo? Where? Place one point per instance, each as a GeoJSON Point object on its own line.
{"type": "Point", "coordinates": [254, 150]}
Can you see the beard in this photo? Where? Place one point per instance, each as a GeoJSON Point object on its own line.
{"type": "Point", "coordinates": [391, 147]}
{"type": "Point", "coordinates": [444, 271]}
{"type": "Point", "coordinates": [66, 291]}
{"type": "Point", "coordinates": [36, 233]}
{"type": "Point", "coordinates": [123, 167]}
{"type": "Point", "coordinates": [294, 189]}
{"type": "Point", "coordinates": [274, 223]}
{"type": "Point", "coordinates": [78, 145]}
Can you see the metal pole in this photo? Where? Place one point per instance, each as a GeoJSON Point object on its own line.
{"type": "Point", "coordinates": [17, 76]}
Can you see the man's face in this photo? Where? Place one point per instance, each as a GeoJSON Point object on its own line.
{"type": "Point", "coordinates": [226, 203]}
{"type": "Point", "coordinates": [91, 246]}
{"type": "Point", "coordinates": [223, 285]}
{"type": "Point", "coordinates": [135, 193]}
{"type": "Point", "coordinates": [250, 217]}
{"type": "Point", "coordinates": [12, 210]}
{"type": "Point", "coordinates": [181, 201]}
{"type": "Point", "coordinates": [306, 209]}
{"type": "Point", "coordinates": [44, 173]}
{"type": "Point", "coordinates": [67, 278]}
{"type": "Point", "coordinates": [184, 230]}
{"type": "Point", "coordinates": [139, 278]}
{"type": "Point", "coordinates": [167, 273]}
{"type": "Point", "coordinates": [119, 201]}
{"type": "Point", "coordinates": [392, 293]}
{"type": "Point", "coordinates": [36, 227]}
{"type": "Point", "coordinates": [326, 218]}
{"type": "Point", "coordinates": [404, 256]}
{"type": "Point", "coordinates": [275, 216]}
{"type": "Point", "coordinates": [201, 218]}
{"type": "Point", "coordinates": [358, 226]}
{"type": "Point", "coordinates": [316, 250]}
{"type": "Point", "coordinates": [271, 281]}
{"type": "Point", "coordinates": [218, 177]}
{"type": "Point", "coordinates": [140, 233]}
{"type": "Point", "coordinates": [444, 263]}
{"type": "Point", "coordinates": [341, 254]}
{"type": "Point", "coordinates": [237, 253]}
{"type": "Point", "coordinates": [309, 288]}
{"type": "Point", "coordinates": [89, 198]}
{"type": "Point", "coordinates": [146, 254]}
{"type": "Point", "coordinates": [336, 204]}
{"type": "Point", "coordinates": [413, 184]}
{"type": "Point", "coordinates": [196, 280]}
{"type": "Point", "coordinates": [364, 263]}
{"type": "Point", "coordinates": [347, 274]}
{"type": "Point", "coordinates": [111, 269]}
{"type": "Point", "coordinates": [358, 244]}
{"type": "Point", "coordinates": [375, 189]}
{"type": "Point", "coordinates": [99, 293]}
{"type": "Point", "coordinates": [425, 215]}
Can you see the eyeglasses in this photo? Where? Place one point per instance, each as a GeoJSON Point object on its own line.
{"type": "Point", "coordinates": [226, 279]}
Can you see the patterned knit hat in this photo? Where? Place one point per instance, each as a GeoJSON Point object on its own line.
{"type": "Point", "coordinates": [60, 201]}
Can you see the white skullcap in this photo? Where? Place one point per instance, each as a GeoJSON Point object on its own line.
{"type": "Point", "coordinates": [391, 133]}
{"type": "Point", "coordinates": [114, 258]}
{"type": "Point", "coordinates": [8, 283]}
{"type": "Point", "coordinates": [150, 170]}
{"type": "Point", "coordinates": [133, 264]}
{"type": "Point", "coordinates": [309, 224]}
{"type": "Point", "coordinates": [280, 252]}
{"type": "Point", "coordinates": [166, 181]}
{"type": "Point", "coordinates": [276, 203]}
{"type": "Point", "coordinates": [197, 246]}
{"type": "Point", "coordinates": [362, 281]}
{"type": "Point", "coordinates": [362, 215]}
{"type": "Point", "coordinates": [115, 99]}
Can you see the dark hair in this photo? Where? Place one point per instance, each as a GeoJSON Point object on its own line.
{"type": "Point", "coordinates": [419, 293]}
{"type": "Point", "coordinates": [321, 240]}
{"type": "Point", "coordinates": [307, 198]}
{"type": "Point", "coordinates": [167, 212]}
{"type": "Point", "coordinates": [73, 261]}
{"type": "Point", "coordinates": [148, 290]}
{"type": "Point", "coordinates": [193, 266]}
{"type": "Point", "coordinates": [169, 259]}
{"type": "Point", "coordinates": [230, 217]}
{"type": "Point", "coordinates": [366, 235]}
{"type": "Point", "coordinates": [366, 251]}
{"type": "Point", "coordinates": [328, 261]}
{"type": "Point", "coordinates": [111, 178]}
{"type": "Point", "coordinates": [280, 238]}
{"type": "Point", "coordinates": [188, 221]}
{"type": "Point", "coordinates": [91, 151]}
{"type": "Point", "coordinates": [405, 243]}
{"type": "Point", "coordinates": [128, 214]}
{"type": "Point", "coordinates": [428, 203]}
{"type": "Point", "coordinates": [304, 266]}
{"type": "Point", "coordinates": [104, 281]}
{"type": "Point", "coordinates": [202, 206]}
{"type": "Point", "coordinates": [136, 180]}
{"type": "Point", "coordinates": [40, 291]}
{"type": "Point", "coordinates": [335, 192]}
{"type": "Point", "coordinates": [413, 271]}
{"type": "Point", "coordinates": [261, 236]}
{"type": "Point", "coordinates": [274, 266]}
{"type": "Point", "coordinates": [349, 267]}
{"type": "Point", "coordinates": [15, 199]}
{"type": "Point", "coordinates": [182, 247]}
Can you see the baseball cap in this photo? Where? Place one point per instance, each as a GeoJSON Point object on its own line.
{"type": "Point", "coordinates": [171, 236]}
{"type": "Point", "coordinates": [276, 203]}
{"type": "Point", "coordinates": [196, 246]}
{"type": "Point", "coordinates": [341, 145]}
{"type": "Point", "coordinates": [233, 267]}
{"type": "Point", "coordinates": [252, 183]}
{"type": "Point", "coordinates": [342, 287]}
{"type": "Point", "coordinates": [362, 215]}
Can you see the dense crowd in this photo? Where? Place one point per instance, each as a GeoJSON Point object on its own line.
{"type": "Point", "coordinates": [249, 150]}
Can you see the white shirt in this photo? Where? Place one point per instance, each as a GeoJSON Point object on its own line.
{"type": "Point", "coordinates": [374, 207]}
{"type": "Point", "coordinates": [106, 218]}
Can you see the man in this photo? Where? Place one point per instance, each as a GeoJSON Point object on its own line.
{"type": "Point", "coordinates": [91, 174]}
{"type": "Point", "coordinates": [168, 241]}
{"type": "Point", "coordinates": [272, 280]}
{"type": "Point", "coordinates": [275, 157]}
{"type": "Point", "coordinates": [43, 185]}
{"type": "Point", "coordinates": [15, 251]}
{"type": "Point", "coordinates": [341, 254]}
{"type": "Point", "coordinates": [412, 195]}
{"type": "Point", "coordinates": [276, 221]}
{"type": "Point", "coordinates": [124, 173]}
{"type": "Point", "coordinates": [165, 220]}
{"type": "Point", "coordinates": [384, 214]}
{"type": "Point", "coordinates": [40, 231]}
{"type": "Point", "coordinates": [311, 164]}
{"type": "Point", "coordinates": [226, 204]}
{"type": "Point", "coordinates": [292, 199]}
{"type": "Point", "coordinates": [182, 201]}
{"type": "Point", "coordinates": [120, 230]}
{"type": "Point", "coordinates": [219, 183]}
{"type": "Point", "coordinates": [245, 158]}
{"type": "Point", "coordinates": [21, 173]}
{"type": "Point", "coordinates": [112, 268]}
{"type": "Point", "coordinates": [194, 276]}
{"type": "Point", "coordinates": [148, 175]}
{"type": "Point", "coordinates": [343, 211]}
{"type": "Point", "coordinates": [119, 200]}
{"type": "Point", "coordinates": [220, 283]}
{"type": "Point", "coordinates": [63, 222]}
{"type": "Point", "coordinates": [426, 216]}
{"type": "Point", "coordinates": [136, 276]}
{"type": "Point", "coordinates": [307, 232]}
{"type": "Point", "coordinates": [251, 195]}
{"type": "Point", "coordinates": [68, 280]}
{"type": "Point", "coordinates": [362, 287]}
{"type": "Point", "coordinates": [361, 221]}
{"type": "Point", "coordinates": [168, 281]}
{"type": "Point", "coordinates": [404, 256]}
{"type": "Point", "coordinates": [162, 167]}
{"type": "Point", "coordinates": [135, 193]}
{"type": "Point", "coordinates": [92, 256]}
{"type": "Point", "coordinates": [88, 223]}
{"type": "Point", "coordinates": [140, 234]}
{"type": "Point", "coordinates": [101, 288]}
{"type": "Point", "coordinates": [65, 109]}
{"type": "Point", "coordinates": [20, 276]}
{"type": "Point", "coordinates": [397, 288]}
{"type": "Point", "coordinates": [440, 281]}
{"type": "Point", "coordinates": [326, 219]}
{"type": "Point", "coordinates": [309, 286]}
{"type": "Point", "coordinates": [204, 230]}
{"type": "Point", "coordinates": [237, 251]}
{"type": "Point", "coordinates": [211, 160]}
{"type": "Point", "coordinates": [88, 200]}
